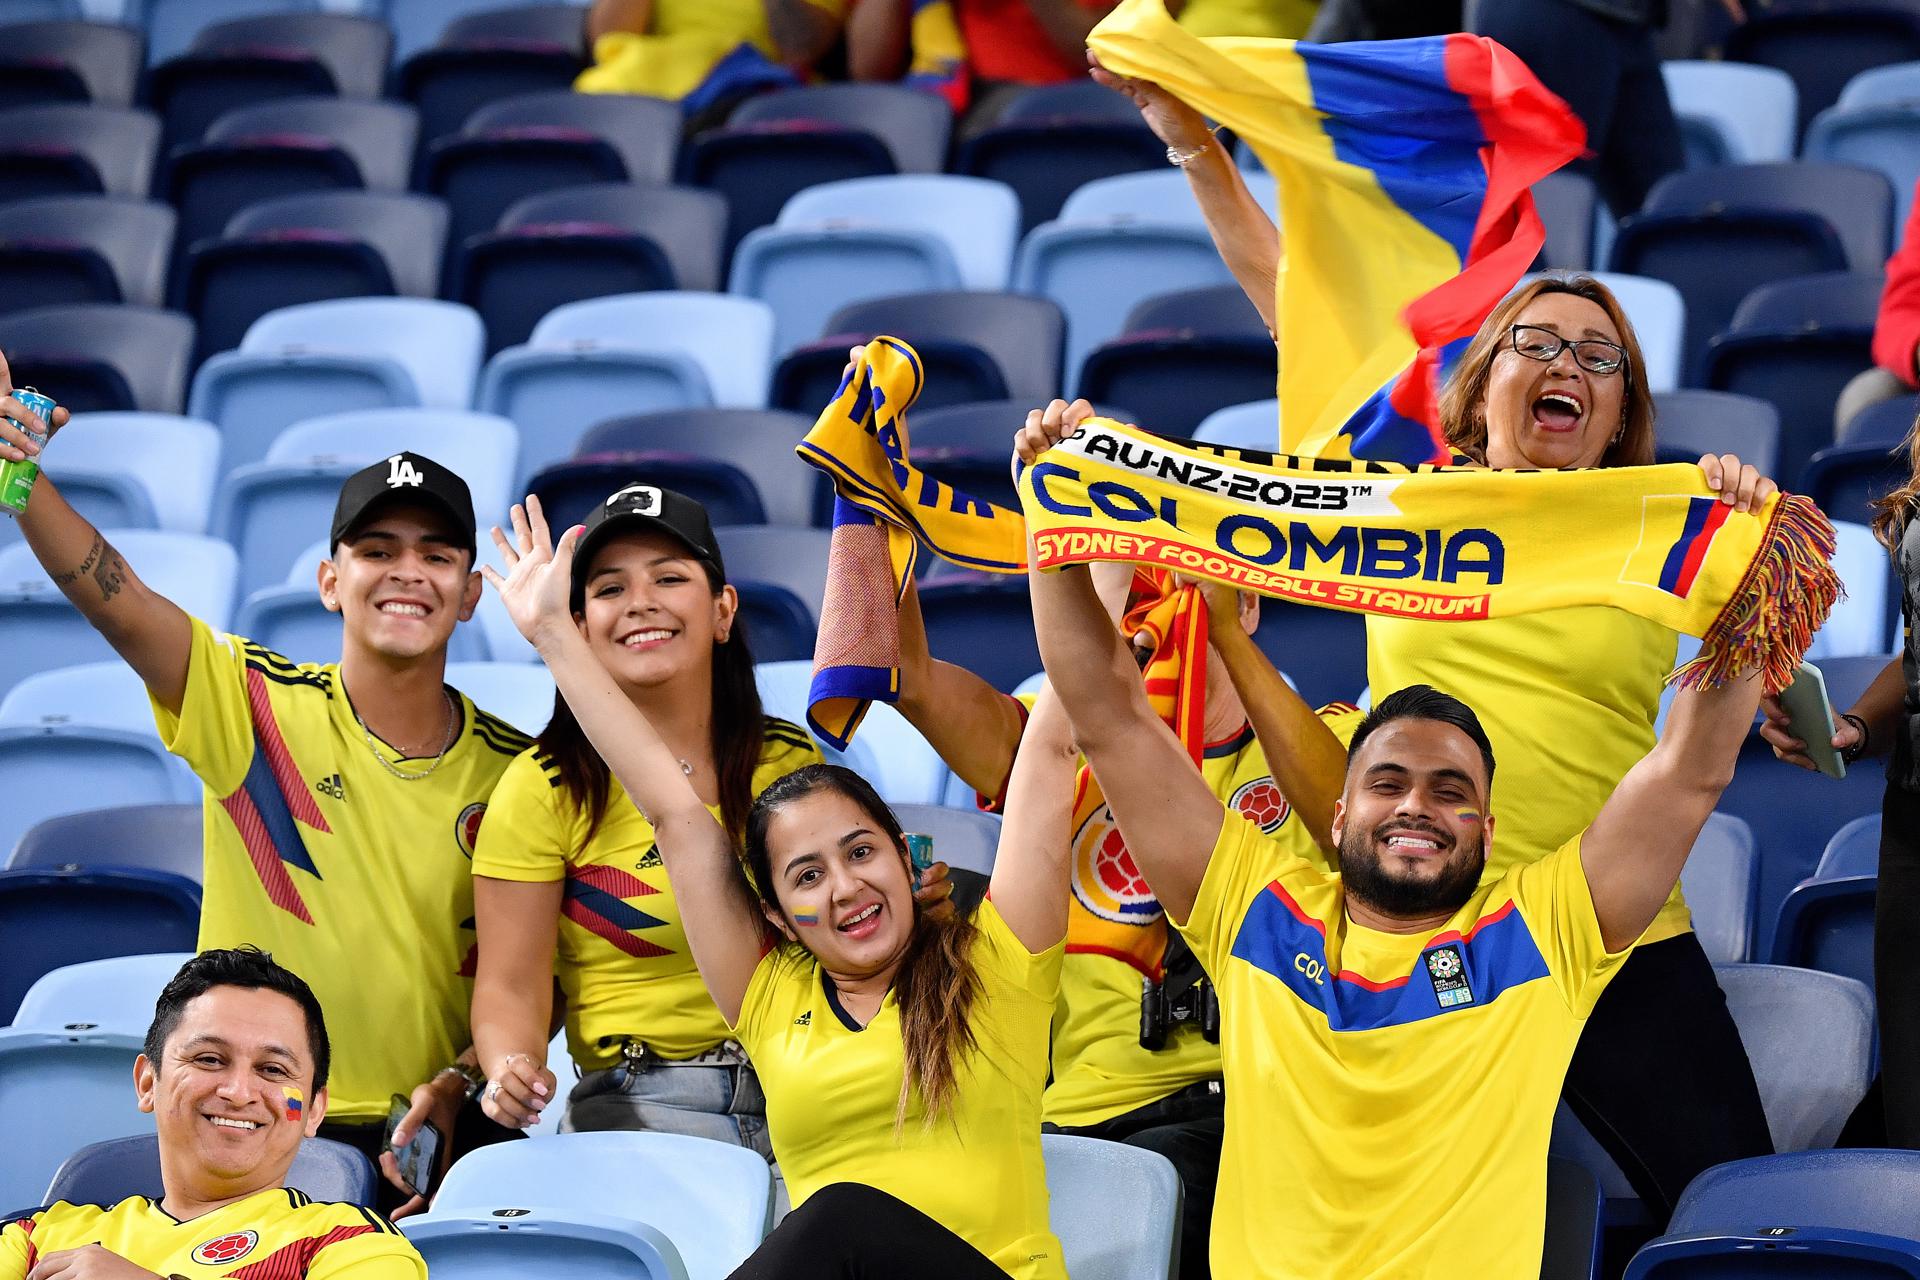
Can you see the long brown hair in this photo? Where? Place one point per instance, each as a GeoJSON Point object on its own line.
{"type": "Point", "coordinates": [1892, 512]}
{"type": "Point", "coordinates": [737, 726]}
{"type": "Point", "coordinates": [937, 985]}
{"type": "Point", "coordinates": [1463, 403]}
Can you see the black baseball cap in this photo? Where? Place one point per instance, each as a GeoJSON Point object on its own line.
{"type": "Point", "coordinates": [405, 477]}
{"type": "Point", "coordinates": [645, 508]}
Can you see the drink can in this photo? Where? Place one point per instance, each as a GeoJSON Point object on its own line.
{"type": "Point", "coordinates": [16, 478]}
{"type": "Point", "coordinates": [919, 849]}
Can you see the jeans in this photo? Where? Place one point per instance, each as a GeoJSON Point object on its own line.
{"type": "Point", "coordinates": [722, 1103]}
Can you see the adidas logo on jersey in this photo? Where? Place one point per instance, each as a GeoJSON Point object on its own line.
{"type": "Point", "coordinates": [651, 858]}
{"type": "Point", "coordinates": [331, 786]}
{"type": "Point", "coordinates": [804, 1020]}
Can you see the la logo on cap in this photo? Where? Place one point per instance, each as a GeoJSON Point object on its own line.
{"type": "Point", "coordinates": [402, 472]}
{"type": "Point", "coordinates": [637, 499]}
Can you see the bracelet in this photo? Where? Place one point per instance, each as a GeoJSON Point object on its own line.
{"type": "Point", "coordinates": [1181, 157]}
{"type": "Point", "coordinates": [472, 1079]}
{"type": "Point", "coordinates": [1859, 748]}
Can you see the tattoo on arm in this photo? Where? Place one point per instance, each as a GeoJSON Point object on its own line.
{"type": "Point", "coordinates": [108, 570]}
{"type": "Point", "coordinates": [85, 566]}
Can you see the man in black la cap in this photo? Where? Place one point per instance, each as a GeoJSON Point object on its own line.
{"type": "Point", "coordinates": [342, 799]}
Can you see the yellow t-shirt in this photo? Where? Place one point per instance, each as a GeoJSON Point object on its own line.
{"type": "Point", "coordinates": [277, 1234]}
{"type": "Point", "coordinates": [623, 959]}
{"type": "Point", "coordinates": [1099, 1069]}
{"type": "Point", "coordinates": [1390, 1096]}
{"type": "Point", "coordinates": [356, 880]}
{"type": "Point", "coordinates": [1568, 699]}
{"type": "Point", "coordinates": [832, 1087]}
{"type": "Point", "coordinates": [684, 41]}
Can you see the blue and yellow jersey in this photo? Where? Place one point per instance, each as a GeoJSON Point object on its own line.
{"type": "Point", "coordinates": [623, 960]}
{"type": "Point", "coordinates": [278, 1234]}
{"type": "Point", "coordinates": [358, 881]}
{"type": "Point", "coordinates": [1390, 1096]}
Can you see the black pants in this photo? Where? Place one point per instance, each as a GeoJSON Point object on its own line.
{"type": "Point", "coordinates": [1609, 73]}
{"type": "Point", "coordinates": [1889, 1116]}
{"type": "Point", "coordinates": [1660, 1077]}
{"type": "Point", "coordinates": [471, 1129]}
{"type": "Point", "coordinates": [1187, 1128]}
{"type": "Point", "coordinates": [850, 1231]}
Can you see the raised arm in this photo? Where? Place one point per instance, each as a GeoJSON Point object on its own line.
{"type": "Point", "coordinates": [803, 32]}
{"type": "Point", "coordinates": [1030, 868]}
{"type": "Point", "coordinates": [970, 724]}
{"type": "Point", "coordinates": [723, 923]}
{"type": "Point", "coordinates": [1634, 850]}
{"type": "Point", "coordinates": [151, 632]}
{"type": "Point", "coordinates": [1169, 818]}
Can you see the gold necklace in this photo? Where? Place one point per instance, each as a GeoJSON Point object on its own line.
{"type": "Point", "coordinates": [395, 770]}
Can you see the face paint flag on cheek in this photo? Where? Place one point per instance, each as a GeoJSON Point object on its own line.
{"type": "Point", "coordinates": [806, 918]}
{"type": "Point", "coordinates": [295, 1100]}
{"type": "Point", "coordinates": [1467, 815]}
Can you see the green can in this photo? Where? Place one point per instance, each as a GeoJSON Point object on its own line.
{"type": "Point", "coordinates": [16, 478]}
{"type": "Point", "coordinates": [919, 849]}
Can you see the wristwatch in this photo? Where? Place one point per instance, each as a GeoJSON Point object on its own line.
{"type": "Point", "coordinates": [475, 1079]}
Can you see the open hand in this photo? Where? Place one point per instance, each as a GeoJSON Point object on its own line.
{"type": "Point", "coordinates": [1172, 121]}
{"type": "Point", "coordinates": [1047, 427]}
{"type": "Point", "coordinates": [539, 575]}
{"type": "Point", "coordinates": [1740, 486]}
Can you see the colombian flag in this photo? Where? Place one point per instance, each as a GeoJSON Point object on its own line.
{"type": "Point", "coordinates": [295, 1101]}
{"type": "Point", "coordinates": [1404, 170]}
{"type": "Point", "coordinates": [1675, 533]}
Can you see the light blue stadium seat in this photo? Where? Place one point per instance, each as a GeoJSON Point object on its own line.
{"type": "Point", "coordinates": [1880, 86]}
{"type": "Point", "coordinates": [1695, 421]}
{"type": "Point", "coordinates": [965, 838]}
{"type": "Point", "coordinates": [886, 751]}
{"type": "Point", "coordinates": [1247, 426]}
{"type": "Point", "coordinates": [108, 1172]}
{"type": "Point", "coordinates": [1835, 1215]}
{"type": "Point", "coordinates": [657, 1205]}
{"type": "Point", "coordinates": [115, 995]}
{"type": "Point", "coordinates": [1750, 112]}
{"type": "Point", "coordinates": [345, 354]}
{"type": "Point", "coordinates": [103, 695]}
{"type": "Point", "coordinates": [1155, 195]}
{"type": "Point", "coordinates": [628, 353]}
{"type": "Point", "coordinates": [521, 693]}
{"type": "Point", "coordinates": [1086, 1177]}
{"type": "Point", "coordinates": [271, 510]}
{"type": "Point", "coordinates": [155, 837]}
{"type": "Point", "coordinates": [842, 242]}
{"type": "Point", "coordinates": [1885, 137]}
{"type": "Point", "coordinates": [1721, 887]}
{"type": "Point", "coordinates": [1659, 318]}
{"type": "Point", "coordinates": [1810, 1038]}
{"type": "Point", "coordinates": [1853, 851]}
{"type": "Point", "coordinates": [1858, 623]}
{"type": "Point", "coordinates": [59, 1091]}
{"type": "Point", "coordinates": [134, 463]}
{"type": "Point", "coordinates": [43, 631]}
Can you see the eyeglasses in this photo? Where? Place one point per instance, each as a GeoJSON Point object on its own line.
{"type": "Point", "coordinates": [1544, 345]}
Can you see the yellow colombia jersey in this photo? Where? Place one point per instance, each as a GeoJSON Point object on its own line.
{"type": "Point", "coordinates": [1390, 1096]}
{"type": "Point", "coordinates": [623, 957]}
{"type": "Point", "coordinates": [1099, 1069]}
{"type": "Point", "coordinates": [1568, 699]}
{"type": "Point", "coordinates": [356, 880]}
{"type": "Point", "coordinates": [276, 1234]}
{"type": "Point", "coordinates": [832, 1087]}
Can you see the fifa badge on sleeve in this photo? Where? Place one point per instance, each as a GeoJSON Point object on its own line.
{"type": "Point", "coordinates": [1448, 969]}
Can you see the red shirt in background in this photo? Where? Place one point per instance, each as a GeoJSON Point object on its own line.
{"type": "Point", "coordinates": [1006, 42]}
{"type": "Point", "coordinates": [1896, 330]}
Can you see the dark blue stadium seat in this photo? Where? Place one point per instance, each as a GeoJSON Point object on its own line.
{"type": "Point", "coordinates": [1567, 202]}
{"type": "Point", "coordinates": [331, 244]}
{"type": "Point", "coordinates": [1053, 139]}
{"type": "Point", "coordinates": [1323, 651]}
{"type": "Point", "coordinates": [587, 242]}
{"type": "Point", "coordinates": [975, 346]}
{"type": "Point", "coordinates": [914, 125]}
{"type": "Point", "coordinates": [78, 149]}
{"type": "Point", "coordinates": [1886, 423]}
{"type": "Point", "coordinates": [1836, 1215]}
{"type": "Point", "coordinates": [1828, 925]}
{"type": "Point", "coordinates": [1182, 356]}
{"type": "Point", "coordinates": [173, 25]}
{"type": "Point", "coordinates": [1797, 343]}
{"type": "Point", "coordinates": [1845, 479]}
{"type": "Point", "coordinates": [252, 60]}
{"type": "Point", "coordinates": [68, 61]}
{"type": "Point", "coordinates": [47, 10]}
{"type": "Point", "coordinates": [59, 917]}
{"type": "Point", "coordinates": [151, 837]}
{"type": "Point", "coordinates": [109, 1172]}
{"type": "Point", "coordinates": [569, 491]}
{"type": "Point", "coordinates": [970, 446]}
{"type": "Point", "coordinates": [780, 627]}
{"type": "Point", "coordinates": [62, 249]}
{"type": "Point", "coordinates": [447, 84]}
{"type": "Point", "coordinates": [1714, 233]}
{"type": "Point", "coordinates": [1211, 309]}
{"type": "Point", "coordinates": [99, 356]}
{"type": "Point", "coordinates": [781, 556]}
{"type": "Point", "coordinates": [759, 442]}
{"type": "Point", "coordinates": [1823, 44]}
{"type": "Point", "coordinates": [525, 26]}
{"type": "Point", "coordinates": [984, 622]}
{"type": "Point", "coordinates": [1690, 423]}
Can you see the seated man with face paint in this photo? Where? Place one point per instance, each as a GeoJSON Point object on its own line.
{"type": "Point", "coordinates": [1394, 1035]}
{"type": "Point", "coordinates": [235, 1075]}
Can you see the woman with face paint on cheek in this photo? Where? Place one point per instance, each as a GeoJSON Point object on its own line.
{"type": "Point", "coordinates": [903, 1056]}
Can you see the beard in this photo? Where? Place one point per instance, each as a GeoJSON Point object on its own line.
{"type": "Point", "coordinates": [1364, 873]}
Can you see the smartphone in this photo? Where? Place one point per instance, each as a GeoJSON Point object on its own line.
{"type": "Point", "coordinates": [1810, 719]}
{"type": "Point", "coordinates": [419, 1160]}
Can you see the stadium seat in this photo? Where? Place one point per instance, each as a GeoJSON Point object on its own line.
{"type": "Point", "coordinates": [1719, 881]}
{"type": "Point", "coordinates": [308, 248]}
{"type": "Point", "coordinates": [1853, 851]}
{"type": "Point", "coordinates": [1658, 315]}
{"type": "Point", "coordinates": [105, 695]}
{"type": "Point", "coordinates": [156, 837]}
{"type": "Point", "coordinates": [758, 442]}
{"type": "Point", "coordinates": [521, 693]}
{"type": "Point", "coordinates": [965, 838]}
{"type": "Point", "coordinates": [423, 24]}
{"type": "Point", "coordinates": [1053, 139]}
{"type": "Point", "coordinates": [552, 25]}
{"type": "Point", "coordinates": [982, 621]}
{"type": "Point", "coordinates": [62, 149]}
{"type": "Point", "coordinates": [1797, 343]}
{"type": "Point", "coordinates": [782, 555]}
{"type": "Point", "coordinates": [64, 60]}
{"type": "Point", "coordinates": [44, 632]}
{"type": "Point", "coordinates": [1882, 86]}
{"type": "Point", "coordinates": [471, 68]}
{"type": "Point", "coordinates": [1886, 423]}
{"type": "Point", "coordinates": [108, 1172]}
{"type": "Point", "coordinates": [1575, 1213]}
{"type": "Point", "coordinates": [1884, 138]}
{"type": "Point", "coordinates": [913, 125]}
{"type": "Point", "coordinates": [1836, 1215]}
{"type": "Point", "coordinates": [707, 1207]}
{"type": "Point", "coordinates": [592, 241]}
{"type": "Point", "coordinates": [1860, 621]}
{"type": "Point", "coordinates": [1824, 46]}
{"type": "Point", "coordinates": [66, 915]}
{"type": "Point", "coordinates": [1846, 479]}
{"type": "Point", "coordinates": [844, 242]}
{"type": "Point", "coordinates": [172, 25]}
{"type": "Point", "coordinates": [589, 361]}
{"type": "Point", "coordinates": [1085, 1174]}
{"type": "Point", "coordinates": [1254, 425]}
{"type": "Point", "coordinates": [1691, 423]}
{"type": "Point", "coordinates": [116, 994]}
{"type": "Point", "coordinates": [1568, 202]}
{"type": "Point", "coordinates": [1713, 232]}
{"type": "Point", "coordinates": [972, 346]}
{"type": "Point", "coordinates": [1182, 355]}
{"type": "Point", "coordinates": [64, 249]}
{"type": "Point", "coordinates": [271, 509]}
{"type": "Point", "coordinates": [1826, 922]}
{"type": "Point", "coordinates": [101, 357]}
{"type": "Point", "coordinates": [59, 1091]}
{"type": "Point", "coordinates": [344, 353]}
{"type": "Point", "coordinates": [1323, 651]}
{"type": "Point", "coordinates": [253, 60]}
{"type": "Point", "coordinates": [1159, 196]}
{"type": "Point", "coordinates": [138, 470]}
{"type": "Point", "coordinates": [1810, 1039]}
{"type": "Point", "coordinates": [970, 446]}
{"type": "Point", "coordinates": [1733, 112]}
{"type": "Point", "coordinates": [886, 750]}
